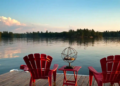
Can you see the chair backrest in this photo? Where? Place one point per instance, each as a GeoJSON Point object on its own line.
{"type": "Point", "coordinates": [38, 64]}
{"type": "Point", "coordinates": [111, 68]}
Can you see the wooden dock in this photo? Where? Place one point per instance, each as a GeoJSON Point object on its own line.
{"type": "Point", "coordinates": [21, 78]}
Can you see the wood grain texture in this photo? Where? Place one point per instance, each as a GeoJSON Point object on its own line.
{"type": "Point", "coordinates": [21, 78]}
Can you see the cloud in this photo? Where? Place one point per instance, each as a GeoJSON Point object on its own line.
{"type": "Point", "coordinates": [18, 29]}
{"type": "Point", "coordinates": [9, 24]}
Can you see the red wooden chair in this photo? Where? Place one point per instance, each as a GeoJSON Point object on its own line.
{"type": "Point", "coordinates": [110, 71]}
{"type": "Point", "coordinates": [39, 67]}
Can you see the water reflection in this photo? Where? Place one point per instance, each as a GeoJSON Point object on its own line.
{"type": "Point", "coordinates": [84, 42]}
{"type": "Point", "coordinates": [112, 40]}
{"type": "Point", "coordinates": [9, 47]}
{"type": "Point", "coordinates": [90, 51]}
{"type": "Point", "coordinates": [80, 41]}
{"type": "Point", "coordinates": [9, 53]}
{"type": "Point", "coordinates": [7, 40]}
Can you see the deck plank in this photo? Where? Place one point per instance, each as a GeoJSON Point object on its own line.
{"type": "Point", "coordinates": [20, 82]}
{"type": "Point", "coordinates": [21, 78]}
{"type": "Point", "coordinates": [80, 81]}
{"type": "Point", "coordinates": [16, 80]}
{"type": "Point", "coordinates": [61, 81]}
{"type": "Point", "coordinates": [86, 80]}
{"type": "Point", "coordinates": [107, 84]}
{"type": "Point", "coordinates": [57, 78]}
{"type": "Point", "coordinates": [9, 78]}
{"type": "Point", "coordinates": [116, 84]}
{"type": "Point", "coordinates": [92, 81]}
{"type": "Point", "coordinates": [8, 75]}
{"type": "Point", "coordinates": [95, 83]}
{"type": "Point", "coordinates": [78, 77]}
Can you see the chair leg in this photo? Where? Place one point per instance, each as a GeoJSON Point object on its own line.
{"type": "Point", "coordinates": [54, 78]}
{"type": "Point", "coordinates": [90, 78]}
{"type": "Point", "coordinates": [34, 84]}
{"type": "Point", "coordinates": [100, 83]}
{"type": "Point", "coordinates": [112, 84]}
{"type": "Point", "coordinates": [33, 80]}
{"type": "Point", "coordinates": [30, 84]}
{"type": "Point", "coordinates": [119, 83]}
{"type": "Point", "coordinates": [50, 81]}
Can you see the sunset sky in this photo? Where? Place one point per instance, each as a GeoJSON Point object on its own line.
{"type": "Point", "coordinates": [59, 15]}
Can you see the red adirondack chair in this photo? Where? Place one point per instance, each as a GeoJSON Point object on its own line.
{"type": "Point", "coordinates": [110, 71]}
{"type": "Point", "coordinates": [39, 67]}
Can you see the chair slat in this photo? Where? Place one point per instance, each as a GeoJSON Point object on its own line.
{"type": "Point", "coordinates": [38, 65]}
{"type": "Point", "coordinates": [48, 63]}
{"type": "Point", "coordinates": [110, 71]}
{"type": "Point", "coordinates": [26, 59]}
{"type": "Point", "coordinates": [117, 57]}
{"type": "Point", "coordinates": [109, 64]}
{"type": "Point", "coordinates": [43, 56]}
{"type": "Point", "coordinates": [31, 59]}
{"type": "Point", "coordinates": [103, 66]}
{"type": "Point", "coordinates": [37, 60]}
{"type": "Point", "coordinates": [109, 67]}
{"type": "Point", "coordinates": [116, 68]}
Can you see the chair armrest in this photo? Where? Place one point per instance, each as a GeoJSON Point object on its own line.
{"type": "Point", "coordinates": [55, 67]}
{"type": "Point", "coordinates": [24, 67]}
{"type": "Point", "coordinates": [50, 73]}
{"type": "Point", "coordinates": [93, 70]}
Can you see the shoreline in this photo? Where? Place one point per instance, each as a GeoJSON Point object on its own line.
{"type": "Point", "coordinates": [16, 70]}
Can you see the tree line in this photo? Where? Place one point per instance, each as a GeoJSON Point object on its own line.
{"type": "Point", "coordinates": [111, 34]}
{"type": "Point", "coordinates": [79, 33]}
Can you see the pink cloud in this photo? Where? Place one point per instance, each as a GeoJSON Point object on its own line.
{"type": "Point", "coordinates": [18, 29]}
{"type": "Point", "coordinates": [9, 21]}
{"type": "Point", "coordinates": [9, 24]}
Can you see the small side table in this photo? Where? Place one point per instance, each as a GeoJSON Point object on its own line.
{"type": "Point", "coordinates": [75, 71]}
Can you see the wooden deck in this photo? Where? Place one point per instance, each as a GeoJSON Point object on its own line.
{"type": "Point", "coordinates": [21, 78]}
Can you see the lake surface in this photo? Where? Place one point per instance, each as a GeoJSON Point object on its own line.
{"type": "Point", "coordinates": [90, 51]}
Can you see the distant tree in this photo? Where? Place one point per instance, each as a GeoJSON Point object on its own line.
{"type": "Point", "coordinates": [5, 34]}
{"type": "Point", "coordinates": [35, 34]}
{"type": "Point", "coordinates": [0, 34]}
{"type": "Point", "coordinates": [93, 33]}
{"type": "Point", "coordinates": [64, 34]}
{"type": "Point", "coordinates": [10, 35]}
{"type": "Point", "coordinates": [71, 33]}
{"type": "Point", "coordinates": [79, 33]}
{"type": "Point", "coordinates": [46, 33]}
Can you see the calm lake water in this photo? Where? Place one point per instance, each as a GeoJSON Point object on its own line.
{"type": "Point", "coordinates": [90, 51]}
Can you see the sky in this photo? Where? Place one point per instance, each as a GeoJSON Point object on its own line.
{"type": "Point", "coordinates": [59, 15]}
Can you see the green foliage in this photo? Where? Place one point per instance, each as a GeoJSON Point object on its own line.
{"type": "Point", "coordinates": [111, 34]}
{"type": "Point", "coordinates": [5, 34]}
{"type": "Point", "coordinates": [0, 34]}
{"type": "Point", "coordinates": [10, 34]}
{"type": "Point", "coordinates": [79, 33]}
